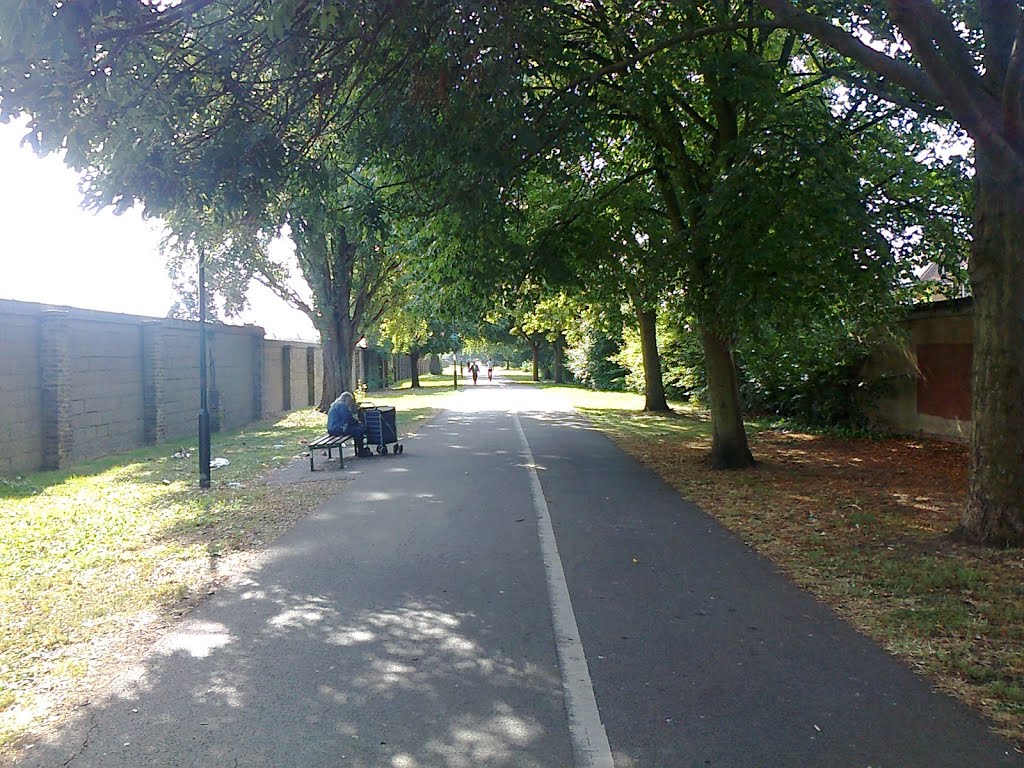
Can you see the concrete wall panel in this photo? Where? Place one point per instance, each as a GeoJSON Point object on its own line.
{"type": "Point", "coordinates": [232, 375]}
{"type": "Point", "coordinates": [181, 382]}
{"type": "Point", "coordinates": [105, 387]}
{"type": "Point", "coordinates": [21, 433]}
{"type": "Point", "coordinates": [76, 384]}
{"type": "Point", "coordinates": [273, 383]}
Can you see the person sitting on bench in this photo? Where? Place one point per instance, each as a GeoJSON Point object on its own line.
{"type": "Point", "coordinates": [342, 419]}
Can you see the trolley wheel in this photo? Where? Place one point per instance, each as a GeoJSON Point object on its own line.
{"type": "Point", "coordinates": [399, 448]}
{"type": "Point", "coordinates": [383, 450]}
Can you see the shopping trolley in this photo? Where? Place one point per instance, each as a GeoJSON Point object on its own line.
{"type": "Point", "coordinates": [382, 429]}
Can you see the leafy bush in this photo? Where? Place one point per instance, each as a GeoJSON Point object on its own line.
{"type": "Point", "coordinates": [592, 361]}
{"type": "Point", "coordinates": [682, 361]}
{"type": "Point", "coordinates": [811, 373]}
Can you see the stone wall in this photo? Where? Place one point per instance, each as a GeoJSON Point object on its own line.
{"type": "Point", "coordinates": [291, 377]}
{"type": "Point", "coordinates": [103, 387]}
{"type": "Point", "coordinates": [21, 394]}
{"type": "Point", "coordinates": [928, 382]}
{"type": "Point", "coordinates": [76, 384]}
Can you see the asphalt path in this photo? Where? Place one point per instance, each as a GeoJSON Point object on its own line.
{"type": "Point", "coordinates": [513, 590]}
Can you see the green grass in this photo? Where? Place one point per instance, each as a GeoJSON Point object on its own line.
{"type": "Point", "coordinates": [926, 574]}
{"type": "Point", "coordinates": [517, 375]}
{"type": "Point", "coordinates": [413, 406]}
{"type": "Point", "coordinates": [86, 552]}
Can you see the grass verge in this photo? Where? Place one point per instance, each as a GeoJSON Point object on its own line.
{"type": "Point", "coordinates": [93, 556]}
{"type": "Point", "coordinates": [864, 525]}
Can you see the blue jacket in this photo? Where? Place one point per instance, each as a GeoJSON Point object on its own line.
{"type": "Point", "coordinates": [340, 419]}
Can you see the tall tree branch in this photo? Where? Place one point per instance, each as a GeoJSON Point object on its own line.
{"type": "Point", "coordinates": [163, 19]}
{"type": "Point", "coordinates": [1013, 91]}
{"type": "Point", "coordinates": [837, 38]}
{"type": "Point", "coordinates": [999, 21]}
{"type": "Point", "coordinates": [921, 20]}
{"type": "Point", "coordinates": [671, 42]}
{"type": "Point", "coordinates": [972, 106]}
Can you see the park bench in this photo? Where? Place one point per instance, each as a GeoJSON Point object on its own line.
{"type": "Point", "coordinates": [330, 442]}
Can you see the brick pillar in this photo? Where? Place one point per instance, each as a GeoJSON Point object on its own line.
{"type": "Point", "coordinates": [310, 376]}
{"type": "Point", "coordinates": [55, 375]}
{"type": "Point", "coordinates": [154, 427]}
{"type": "Point", "coordinates": [259, 360]}
{"type": "Point", "coordinates": [286, 378]}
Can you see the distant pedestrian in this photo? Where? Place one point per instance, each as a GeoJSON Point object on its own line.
{"type": "Point", "coordinates": [490, 371]}
{"type": "Point", "coordinates": [475, 370]}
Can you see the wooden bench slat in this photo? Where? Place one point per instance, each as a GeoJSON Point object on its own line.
{"type": "Point", "coordinates": [329, 442]}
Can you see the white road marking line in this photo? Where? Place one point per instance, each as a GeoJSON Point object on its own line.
{"type": "Point", "coordinates": [589, 740]}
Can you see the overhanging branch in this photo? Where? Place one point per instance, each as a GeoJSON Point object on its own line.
{"type": "Point", "coordinates": [900, 72]}
{"type": "Point", "coordinates": [671, 42]}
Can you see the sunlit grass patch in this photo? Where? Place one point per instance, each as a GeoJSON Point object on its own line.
{"type": "Point", "coordinates": [429, 384]}
{"type": "Point", "coordinates": [87, 553]}
{"type": "Point", "coordinates": [517, 375]}
{"type": "Point", "coordinates": [414, 406]}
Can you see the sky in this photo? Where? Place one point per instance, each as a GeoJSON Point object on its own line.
{"type": "Point", "coordinates": [54, 252]}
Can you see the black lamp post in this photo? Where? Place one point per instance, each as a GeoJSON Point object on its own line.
{"type": "Point", "coordinates": [204, 413]}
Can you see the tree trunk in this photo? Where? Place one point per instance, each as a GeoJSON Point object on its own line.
{"type": "Point", "coordinates": [995, 500]}
{"type": "Point", "coordinates": [535, 346]}
{"type": "Point", "coordinates": [654, 386]}
{"type": "Point", "coordinates": [559, 345]}
{"type": "Point", "coordinates": [336, 342]}
{"type": "Point", "coordinates": [327, 266]}
{"type": "Point", "coordinates": [414, 368]}
{"type": "Point", "coordinates": [729, 448]}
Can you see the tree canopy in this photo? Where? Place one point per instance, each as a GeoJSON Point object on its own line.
{"type": "Point", "coordinates": [745, 167]}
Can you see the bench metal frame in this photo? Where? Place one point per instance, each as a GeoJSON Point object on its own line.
{"type": "Point", "coordinates": [330, 442]}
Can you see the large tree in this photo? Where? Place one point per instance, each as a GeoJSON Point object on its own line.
{"type": "Point", "coordinates": [603, 239]}
{"type": "Point", "coordinates": [351, 264]}
{"type": "Point", "coordinates": [708, 93]}
{"type": "Point", "coordinates": [345, 249]}
{"type": "Point", "coordinates": [964, 60]}
{"type": "Point", "coordinates": [192, 110]}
